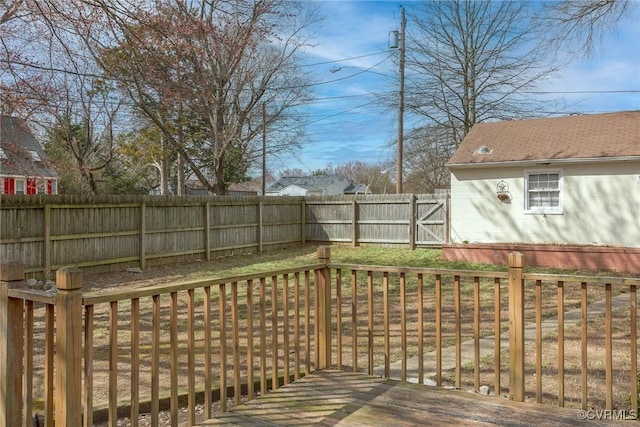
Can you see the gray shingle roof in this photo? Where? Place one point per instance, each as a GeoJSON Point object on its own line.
{"type": "Point", "coordinates": [356, 189]}
{"type": "Point", "coordinates": [610, 135]}
{"type": "Point", "coordinates": [312, 182]}
{"type": "Point", "coordinates": [17, 142]}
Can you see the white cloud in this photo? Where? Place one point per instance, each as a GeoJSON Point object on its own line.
{"type": "Point", "coordinates": [358, 28]}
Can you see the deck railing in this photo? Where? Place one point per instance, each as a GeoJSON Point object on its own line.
{"type": "Point", "coordinates": [76, 358]}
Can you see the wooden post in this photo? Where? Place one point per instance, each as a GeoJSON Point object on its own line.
{"type": "Point", "coordinates": [412, 222]}
{"type": "Point", "coordinates": [11, 344]}
{"type": "Point", "coordinates": [260, 226]}
{"type": "Point", "coordinates": [207, 231]}
{"type": "Point", "coordinates": [303, 225]}
{"type": "Point", "coordinates": [68, 358]}
{"type": "Point", "coordinates": [354, 223]}
{"type": "Point", "coordinates": [143, 235]}
{"type": "Point", "coordinates": [47, 241]}
{"type": "Point", "coordinates": [323, 317]}
{"type": "Point", "coordinates": [516, 327]}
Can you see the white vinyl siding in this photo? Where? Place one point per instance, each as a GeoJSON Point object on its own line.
{"type": "Point", "coordinates": [599, 206]}
{"type": "Point", "coordinates": [543, 192]}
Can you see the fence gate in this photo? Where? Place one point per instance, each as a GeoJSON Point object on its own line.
{"type": "Point", "coordinates": [431, 221]}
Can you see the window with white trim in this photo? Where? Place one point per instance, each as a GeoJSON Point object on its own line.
{"type": "Point", "coordinates": [20, 188]}
{"type": "Point", "coordinates": [543, 192]}
{"type": "Point", "coordinates": [2, 154]}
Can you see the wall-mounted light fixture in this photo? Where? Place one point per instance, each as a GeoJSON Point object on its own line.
{"type": "Point", "coordinates": [502, 189]}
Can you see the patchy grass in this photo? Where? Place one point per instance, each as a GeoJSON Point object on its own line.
{"type": "Point", "coordinates": [281, 259]}
{"type": "Point", "coordinates": [305, 255]}
{"type": "Point", "coordinates": [302, 255]}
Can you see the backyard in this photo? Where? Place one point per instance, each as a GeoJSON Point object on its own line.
{"type": "Point", "coordinates": [388, 300]}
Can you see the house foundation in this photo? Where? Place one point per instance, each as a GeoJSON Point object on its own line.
{"type": "Point", "coordinates": [591, 258]}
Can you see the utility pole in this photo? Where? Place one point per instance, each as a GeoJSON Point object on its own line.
{"type": "Point", "coordinates": [401, 46]}
{"type": "Point", "coordinates": [264, 147]}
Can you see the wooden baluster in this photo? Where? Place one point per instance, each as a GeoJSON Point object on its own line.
{"type": "Point", "coordinates": [420, 303]}
{"type": "Point", "coordinates": [296, 325]}
{"type": "Point", "coordinates": [476, 333]}
{"type": "Point", "coordinates": [354, 320]}
{"type": "Point", "coordinates": [191, 358]}
{"type": "Point", "coordinates": [438, 296]}
{"type": "Point", "coordinates": [222, 313]}
{"type": "Point", "coordinates": [250, 380]}
{"type": "Point", "coordinates": [12, 344]}
{"type": "Point", "coordinates": [560, 343]}
{"type": "Point", "coordinates": [274, 333]}
{"type": "Point", "coordinates": [113, 363]}
{"type": "Point", "coordinates": [458, 330]}
{"type": "Point", "coordinates": [497, 337]}
{"type": "Point", "coordinates": [403, 325]}
{"type": "Point", "coordinates": [385, 305]}
{"type": "Point", "coordinates": [285, 324]}
{"type": "Point", "coordinates": [135, 361]}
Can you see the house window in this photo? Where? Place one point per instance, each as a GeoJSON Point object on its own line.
{"type": "Point", "coordinates": [35, 156]}
{"type": "Point", "coordinates": [52, 186]}
{"type": "Point", "coordinates": [544, 192]}
{"type": "Point", "coordinates": [19, 186]}
{"type": "Point", "coordinates": [2, 155]}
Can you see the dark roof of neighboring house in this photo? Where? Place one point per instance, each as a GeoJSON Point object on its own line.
{"type": "Point", "coordinates": [17, 141]}
{"type": "Point", "coordinates": [251, 187]}
{"type": "Point", "coordinates": [356, 189]}
{"type": "Point", "coordinates": [312, 182]}
{"type": "Point", "coordinates": [593, 136]}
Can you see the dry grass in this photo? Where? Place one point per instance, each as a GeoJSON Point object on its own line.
{"type": "Point", "coordinates": [306, 255]}
{"type": "Point", "coordinates": [572, 385]}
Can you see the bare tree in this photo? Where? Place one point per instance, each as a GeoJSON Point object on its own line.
{"type": "Point", "coordinates": [472, 61]}
{"type": "Point", "coordinates": [82, 137]}
{"type": "Point", "coordinates": [25, 82]}
{"type": "Point", "coordinates": [210, 69]}
{"type": "Point", "coordinates": [427, 151]}
{"type": "Point", "coordinates": [377, 177]}
{"type": "Point", "coordinates": [578, 25]}
{"type": "Point", "coordinates": [46, 75]}
{"type": "Point", "coordinates": [202, 71]}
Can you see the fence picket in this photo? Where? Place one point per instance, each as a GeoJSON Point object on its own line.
{"type": "Point", "coordinates": [113, 233]}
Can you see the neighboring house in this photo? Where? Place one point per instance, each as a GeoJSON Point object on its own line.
{"type": "Point", "coordinates": [195, 188]}
{"type": "Point", "coordinates": [24, 168]}
{"type": "Point", "coordinates": [571, 180]}
{"type": "Point", "coordinates": [314, 185]}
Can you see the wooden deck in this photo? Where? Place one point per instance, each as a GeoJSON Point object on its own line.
{"type": "Point", "coordinates": [329, 398]}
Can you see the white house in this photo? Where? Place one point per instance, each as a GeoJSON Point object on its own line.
{"type": "Point", "coordinates": [571, 180]}
{"type": "Point", "coordinates": [315, 185]}
{"type": "Point", "coordinates": [24, 168]}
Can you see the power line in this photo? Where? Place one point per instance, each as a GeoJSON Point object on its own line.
{"type": "Point", "coordinates": [568, 92]}
{"type": "Point", "coordinates": [344, 59]}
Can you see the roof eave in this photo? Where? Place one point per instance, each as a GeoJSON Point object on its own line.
{"type": "Point", "coordinates": [541, 162]}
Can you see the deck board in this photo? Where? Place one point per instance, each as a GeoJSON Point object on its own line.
{"type": "Point", "coordinates": [337, 398]}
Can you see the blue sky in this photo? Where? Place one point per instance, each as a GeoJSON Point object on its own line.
{"type": "Point", "coordinates": [352, 62]}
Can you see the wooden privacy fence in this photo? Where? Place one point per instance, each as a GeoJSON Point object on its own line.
{"type": "Point", "coordinates": [113, 233]}
{"type": "Point", "coordinates": [77, 357]}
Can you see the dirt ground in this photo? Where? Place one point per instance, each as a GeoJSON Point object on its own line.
{"type": "Point", "coordinates": [166, 274]}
